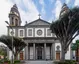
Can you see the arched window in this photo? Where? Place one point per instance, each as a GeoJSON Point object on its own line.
{"type": "Point", "coordinates": [12, 21]}
{"type": "Point", "coordinates": [16, 22]}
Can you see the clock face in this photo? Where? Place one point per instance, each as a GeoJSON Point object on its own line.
{"type": "Point", "coordinates": [39, 32]}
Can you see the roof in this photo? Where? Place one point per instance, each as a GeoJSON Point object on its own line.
{"type": "Point", "coordinates": [37, 21]}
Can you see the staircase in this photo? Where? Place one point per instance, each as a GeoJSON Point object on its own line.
{"type": "Point", "coordinates": [39, 62]}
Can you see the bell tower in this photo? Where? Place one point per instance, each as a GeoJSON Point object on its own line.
{"type": "Point", "coordinates": [64, 9]}
{"type": "Point", "coordinates": [14, 16]}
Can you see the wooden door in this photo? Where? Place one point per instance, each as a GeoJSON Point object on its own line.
{"type": "Point", "coordinates": [57, 55]}
{"type": "Point", "coordinates": [21, 55]}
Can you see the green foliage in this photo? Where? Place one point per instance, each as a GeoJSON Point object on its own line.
{"type": "Point", "coordinates": [66, 28]}
{"type": "Point", "coordinates": [3, 52]}
{"type": "Point", "coordinates": [1, 61]}
{"type": "Point", "coordinates": [16, 61]}
{"type": "Point", "coordinates": [65, 62]}
{"type": "Point", "coordinates": [8, 61]}
{"type": "Point", "coordinates": [18, 43]}
{"type": "Point", "coordinates": [75, 46]}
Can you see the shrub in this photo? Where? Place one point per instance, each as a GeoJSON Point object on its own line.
{"type": "Point", "coordinates": [7, 61]}
{"type": "Point", "coordinates": [65, 62]}
{"type": "Point", "coordinates": [16, 61]}
{"type": "Point", "coordinates": [70, 61]}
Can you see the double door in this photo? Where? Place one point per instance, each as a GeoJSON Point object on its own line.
{"type": "Point", "coordinates": [39, 53]}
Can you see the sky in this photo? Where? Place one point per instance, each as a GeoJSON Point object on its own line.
{"type": "Point", "coordinates": [30, 9]}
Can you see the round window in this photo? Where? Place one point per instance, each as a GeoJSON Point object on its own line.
{"type": "Point", "coordinates": [39, 32]}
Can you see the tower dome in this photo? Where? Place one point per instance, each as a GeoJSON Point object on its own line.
{"type": "Point", "coordinates": [14, 10]}
{"type": "Point", "coordinates": [14, 16]}
{"type": "Point", "coordinates": [64, 9]}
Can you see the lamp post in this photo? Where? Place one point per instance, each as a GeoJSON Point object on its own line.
{"type": "Point", "coordinates": [12, 32]}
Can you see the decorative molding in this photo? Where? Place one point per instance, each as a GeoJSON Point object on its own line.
{"type": "Point", "coordinates": [47, 32]}
{"type": "Point", "coordinates": [28, 32]}
{"type": "Point", "coordinates": [19, 33]}
{"type": "Point", "coordinates": [36, 29]}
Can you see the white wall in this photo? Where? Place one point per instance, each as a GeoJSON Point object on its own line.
{"type": "Point", "coordinates": [67, 56]}
{"type": "Point", "coordinates": [31, 52]}
{"type": "Point", "coordinates": [47, 52]}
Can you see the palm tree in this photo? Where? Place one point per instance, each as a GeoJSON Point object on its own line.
{"type": "Point", "coordinates": [66, 28]}
{"type": "Point", "coordinates": [18, 44]}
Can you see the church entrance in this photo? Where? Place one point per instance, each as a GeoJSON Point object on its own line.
{"type": "Point", "coordinates": [39, 53]}
{"type": "Point", "coordinates": [21, 55]}
{"type": "Point", "coordinates": [57, 55]}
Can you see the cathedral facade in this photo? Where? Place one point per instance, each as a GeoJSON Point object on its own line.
{"type": "Point", "coordinates": [41, 43]}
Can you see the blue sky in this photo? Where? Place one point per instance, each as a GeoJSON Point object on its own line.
{"type": "Point", "coordinates": [29, 10]}
{"type": "Point", "coordinates": [49, 9]}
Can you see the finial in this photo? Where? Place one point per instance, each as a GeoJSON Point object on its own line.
{"type": "Point", "coordinates": [39, 16]}
{"type": "Point", "coordinates": [64, 5]}
{"type": "Point", "coordinates": [15, 6]}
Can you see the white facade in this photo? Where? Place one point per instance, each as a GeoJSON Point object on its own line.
{"type": "Point", "coordinates": [40, 35]}
{"type": "Point", "coordinates": [43, 47]}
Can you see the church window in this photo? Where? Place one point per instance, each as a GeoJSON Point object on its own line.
{"type": "Point", "coordinates": [21, 32]}
{"type": "Point", "coordinates": [48, 32]}
{"type": "Point", "coordinates": [12, 21]}
{"type": "Point", "coordinates": [30, 32]}
{"type": "Point", "coordinates": [16, 22]}
{"type": "Point", "coordinates": [39, 32]}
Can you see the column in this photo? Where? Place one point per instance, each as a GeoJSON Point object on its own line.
{"type": "Point", "coordinates": [34, 51]}
{"type": "Point", "coordinates": [45, 51]}
{"type": "Point", "coordinates": [26, 52]}
{"type": "Point", "coordinates": [53, 51]}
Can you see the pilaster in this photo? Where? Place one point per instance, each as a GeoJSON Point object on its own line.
{"type": "Point", "coordinates": [34, 51]}
{"type": "Point", "coordinates": [45, 51]}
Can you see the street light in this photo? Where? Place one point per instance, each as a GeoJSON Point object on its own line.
{"type": "Point", "coordinates": [12, 32]}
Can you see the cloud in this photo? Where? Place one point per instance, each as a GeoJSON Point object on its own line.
{"type": "Point", "coordinates": [31, 13]}
{"type": "Point", "coordinates": [76, 3]}
{"type": "Point", "coordinates": [57, 9]}
{"type": "Point", "coordinates": [5, 6]}
{"type": "Point", "coordinates": [43, 7]}
{"type": "Point", "coordinates": [67, 1]}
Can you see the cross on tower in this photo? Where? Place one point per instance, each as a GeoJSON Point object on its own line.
{"type": "Point", "coordinates": [39, 16]}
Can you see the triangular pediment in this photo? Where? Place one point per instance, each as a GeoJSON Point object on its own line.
{"type": "Point", "coordinates": [39, 22]}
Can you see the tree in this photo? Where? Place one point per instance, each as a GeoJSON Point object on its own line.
{"type": "Point", "coordinates": [3, 51]}
{"type": "Point", "coordinates": [75, 47]}
{"type": "Point", "coordinates": [66, 28]}
{"type": "Point", "coordinates": [18, 44]}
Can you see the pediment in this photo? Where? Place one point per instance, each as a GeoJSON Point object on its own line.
{"type": "Point", "coordinates": [39, 22]}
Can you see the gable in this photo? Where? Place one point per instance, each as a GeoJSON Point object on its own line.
{"type": "Point", "coordinates": [39, 22]}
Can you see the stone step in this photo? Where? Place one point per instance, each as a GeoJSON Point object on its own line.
{"type": "Point", "coordinates": [38, 62]}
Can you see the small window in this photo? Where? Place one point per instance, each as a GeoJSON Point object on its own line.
{"type": "Point", "coordinates": [16, 22]}
{"type": "Point", "coordinates": [12, 21]}
{"type": "Point", "coordinates": [48, 32]}
{"type": "Point", "coordinates": [30, 32]}
{"type": "Point", "coordinates": [21, 32]}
